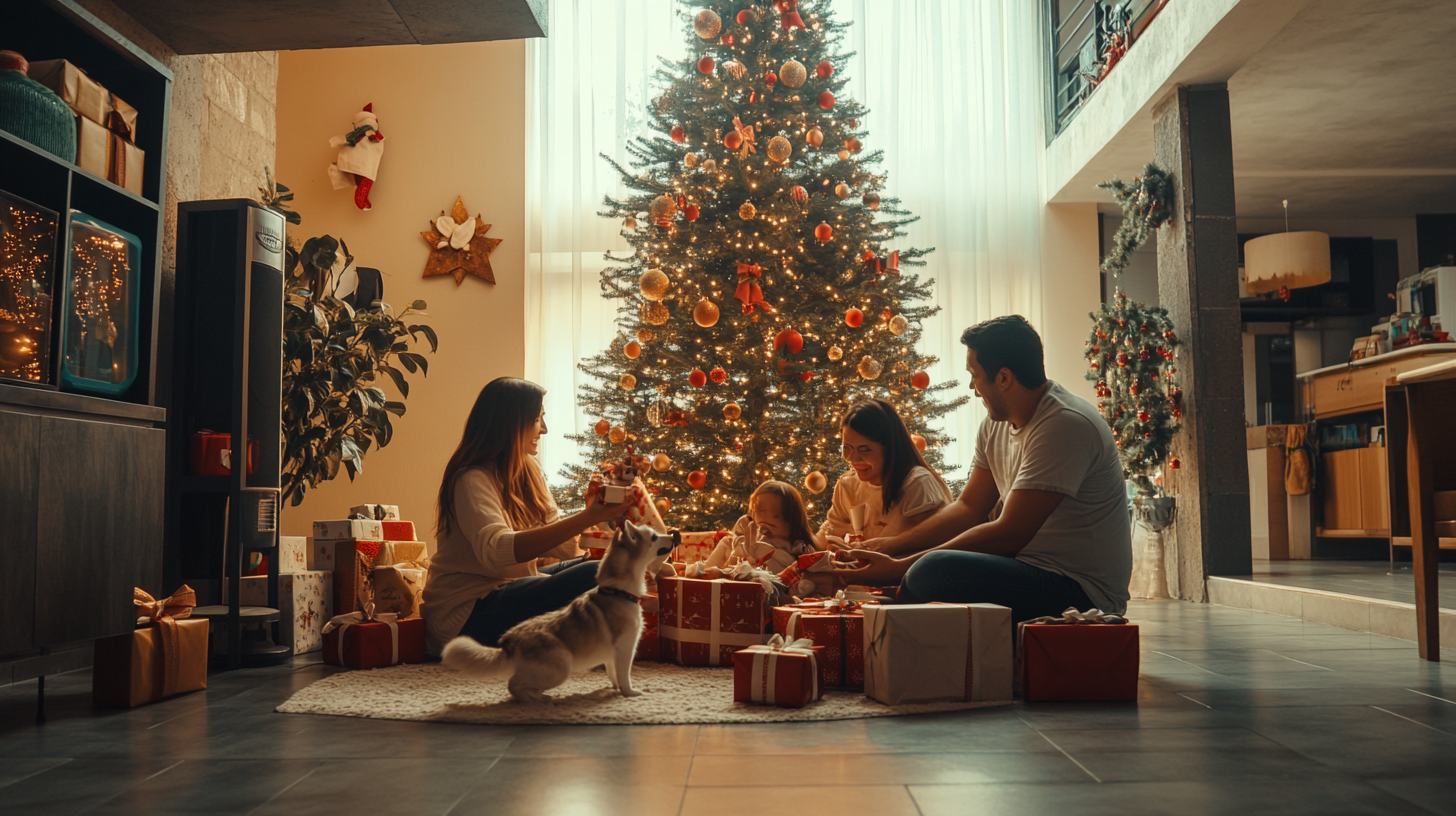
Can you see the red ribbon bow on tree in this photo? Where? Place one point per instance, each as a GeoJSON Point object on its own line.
{"type": "Point", "coordinates": [748, 289]}
{"type": "Point", "coordinates": [789, 9]}
{"type": "Point", "coordinates": [746, 132]}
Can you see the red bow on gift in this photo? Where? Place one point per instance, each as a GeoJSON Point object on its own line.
{"type": "Point", "coordinates": [790, 11]}
{"type": "Point", "coordinates": [746, 132]}
{"type": "Point", "coordinates": [748, 289]}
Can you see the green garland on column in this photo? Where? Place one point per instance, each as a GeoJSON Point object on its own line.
{"type": "Point", "coordinates": [1132, 352]}
{"type": "Point", "coordinates": [1147, 203]}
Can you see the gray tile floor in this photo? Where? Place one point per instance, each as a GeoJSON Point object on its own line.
{"type": "Point", "coordinates": [1241, 712]}
{"type": "Point", "coordinates": [1368, 579]}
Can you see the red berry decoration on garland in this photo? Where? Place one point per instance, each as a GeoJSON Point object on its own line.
{"type": "Point", "coordinates": [854, 318]}
{"type": "Point", "coordinates": [718, 375]}
{"type": "Point", "coordinates": [697, 480]}
{"type": "Point", "coordinates": [697, 378]}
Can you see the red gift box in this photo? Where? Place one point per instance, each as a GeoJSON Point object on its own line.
{"type": "Point", "coordinates": [702, 623]}
{"type": "Point", "coordinates": [211, 454]}
{"type": "Point", "coordinates": [649, 645]}
{"type": "Point", "coordinates": [785, 675]}
{"type": "Point", "coordinates": [1079, 662]}
{"type": "Point", "coordinates": [398, 530]}
{"type": "Point", "coordinates": [698, 546]}
{"type": "Point", "coordinates": [351, 640]}
{"type": "Point", "coordinates": [840, 630]}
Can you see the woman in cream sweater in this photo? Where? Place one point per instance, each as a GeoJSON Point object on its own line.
{"type": "Point", "coordinates": [496, 518]}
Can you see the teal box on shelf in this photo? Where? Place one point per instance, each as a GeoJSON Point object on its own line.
{"type": "Point", "coordinates": [100, 311]}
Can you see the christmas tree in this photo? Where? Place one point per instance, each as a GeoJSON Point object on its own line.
{"type": "Point", "coordinates": [764, 292]}
{"type": "Point", "coordinates": [1131, 352]}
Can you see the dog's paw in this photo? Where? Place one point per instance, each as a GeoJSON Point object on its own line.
{"type": "Point", "coordinates": [632, 693]}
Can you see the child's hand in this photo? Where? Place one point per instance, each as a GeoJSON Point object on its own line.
{"type": "Point", "coordinates": [711, 573]}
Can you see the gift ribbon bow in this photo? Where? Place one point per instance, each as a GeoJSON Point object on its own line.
{"type": "Point", "coordinates": [746, 132]}
{"type": "Point", "coordinates": [748, 289]}
{"type": "Point", "coordinates": [1072, 616]}
{"type": "Point", "coordinates": [765, 666]}
{"type": "Point", "coordinates": [365, 615]}
{"type": "Point", "coordinates": [790, 11]}
{"type": "Point", "coordinates": [165, 613]}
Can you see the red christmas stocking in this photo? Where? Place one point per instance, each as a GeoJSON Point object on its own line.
{"type": "Point", "coordinates": [361, 194]}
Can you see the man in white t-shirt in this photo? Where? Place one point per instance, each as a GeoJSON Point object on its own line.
{"type": "Point", "coordinates": [1047, 460]}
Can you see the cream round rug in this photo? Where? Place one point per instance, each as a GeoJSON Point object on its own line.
{"type": "Point", "coordinates": [674, 695]}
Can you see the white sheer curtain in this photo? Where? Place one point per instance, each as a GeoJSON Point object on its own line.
{"type": "Point", "coordinates": [955, 99]}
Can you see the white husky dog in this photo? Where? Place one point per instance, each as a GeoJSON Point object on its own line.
{"type": "Point", "coordinates": [600, 627]}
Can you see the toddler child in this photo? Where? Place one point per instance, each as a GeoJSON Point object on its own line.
{"type": "Point", "coordinates": [771, 537]}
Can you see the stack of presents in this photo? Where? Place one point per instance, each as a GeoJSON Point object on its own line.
{"type": "Point", "coordinates": [351, 590]}
{"type": "Point", "coordinates": [106, 125]}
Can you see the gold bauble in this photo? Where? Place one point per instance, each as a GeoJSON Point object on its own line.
{"type": "Point", "coordinates": [707, 24]}
{"type": "Point", "coordinates": [645, 334]}
{"type": "Point", "coordinates": [655, 313]}
{"type": "Point", "coordinates": [618, 435]}
{"type": "Point", "coordinates": [779, 149]}
{"type": "Point", "coordinates": [842, 190]}
{"type": "Point", "coordinates": [628, 382]}
{"type": "Point", "coordinates": [653, 284]}
{"type": "Point", "coordinates": [899, 325]}
{"type": "Point", "coordinates": [602, 427]}
{"type": "Point", "coordinates": [870, 368]}
{"type": "Point", "coordinates": [816, 482]}
{"type": "Point", "coordinates": [690, 161]}
{"type": "Point", "coordinates": [663, 505]}
{"type": "Point", "coordinates": [731, 411]}
{"type": "Point", "coordinates": [663, 208]}
{"type": "Point", "coordinates": [835, 352]}
{"type": "Point", "coordinates": [747, 212]}
{"type": "Point", "coordinates": [793, 73]}
{"type": "Point", "coordinates": [844, 155]}
{"type": "Point", "coordinates": [814, 137]}
{"type": "Point", "coordinates": [710, 166]}
{"type": "Point", "coordinates": [661, 462]}
{"type": "Point", "coordinates": [705, 314]}
{"type": "Point", "coordinates": [633, 350]}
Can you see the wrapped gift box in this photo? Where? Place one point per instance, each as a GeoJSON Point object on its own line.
{"type": "Point", "coordinates": [917, 653]}
{"type": "Point", "coordinates": [1079, 662]}
{"type": "Point", "coordinates": [649, 645]}
{"type": "Point", "coordinates": [785, 675]}
{"type": "Point", "coordinates": [85, 95]}
{"type": "Point", "coordinates": [292, 555]}
{"type": "Point", "coordinates": [209, 453]}
{"type": "Point", "coordinates": [398, 587]}
{"type": "Point", "coordinates": [108, 155]}
{"type": "Point", "coordinates": [838, 628]}
{"type": "Point", "coordinates": [698, 546]}
{"type": "Point", "coordinates": [391, 512]}
{"type": "Point", "coordinates": [133, 669]}
{"type": "Point", "coordinates": [398, 530]}
{"type": "Point", "coordinates": [345, 529]}
{"type": "Point", "coordinates": [358, 644]}
{"type": "Point", "coordinates": [305, 604]}
{"type": "Point", "coordinates": [702, 623]}
{"type": "Point", "coordinates": [354, 564]}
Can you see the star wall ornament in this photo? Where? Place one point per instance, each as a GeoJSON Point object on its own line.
{"type": "Point", "coordinates": [458, 245]}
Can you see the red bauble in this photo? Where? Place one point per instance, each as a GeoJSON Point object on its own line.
{"type": "Point", "coordinates": [1143, 416]}
{"type": "Point", "coordinates": [678, 135]}
{"type": "Point", "coordinates": [853, 145]}
{"type": "Point", "coordinates": [697, 480]}
{"type": "Point", "coordinates": [826, 100]}
{"type": "Point", "coordinates": [705, 65]}
{"type": "Point", "coordinates": [918, 441]}
{"type": "Point", "coordinates": [807, 376]}
{"type": "Point", "coordinates": [790, 338]}
{"type": "Point", "coordinates": [1177, 413]}
{"type": "Point", "coordinates": [1174, 464]}
{"type": "Point", "coordinates": [718, 375]}
{"type": "Point", "coordinates": [854, 318]}
{"type": "Point", "coordinates": [824, 70]}
{"type": "Point", "coordinates": [1122, 360]}
{"type": "Point", "coordinates": [697, 379]}
{"type": "Point", "coordinates": [744, 17]}
{"type": "Point", "coordinates": [726, 39]}
{"type": "Point", "coordinates": [691, 212]}
{"type": "Point", "coordinates": [732, 141]}
{"type": "Point", "coordinates": [823, 233]}
{"type": "Point", "coordinates": [770, 79]}
{"type": "Point", "coordinates": [920, 380]}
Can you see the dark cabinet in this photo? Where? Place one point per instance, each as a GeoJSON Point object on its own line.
{"type": "Point", "coordinates": [19, 472]}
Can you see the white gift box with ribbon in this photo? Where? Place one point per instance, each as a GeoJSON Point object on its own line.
{"type": "Point", "coordinates": [919, 653]}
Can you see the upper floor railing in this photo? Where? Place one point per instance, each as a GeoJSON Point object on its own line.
{"type": "Point", "coordinates": [1086, 38]}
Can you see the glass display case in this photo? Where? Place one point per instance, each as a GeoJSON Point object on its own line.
{"type": "Point", "coordinates": [100, 310]}
{"type": "Point", "coordinates": [27, 279]}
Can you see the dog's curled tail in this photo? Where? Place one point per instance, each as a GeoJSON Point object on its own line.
{"type": "Point", "coordinates": [465, 655]}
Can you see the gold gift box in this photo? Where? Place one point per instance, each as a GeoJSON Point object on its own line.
{"type": "Point", "coordinates": [132, 669]}
{"type": "Point", "coordinates": [85, 95]}
{"type": "Point", "coordinates": [103, 153]}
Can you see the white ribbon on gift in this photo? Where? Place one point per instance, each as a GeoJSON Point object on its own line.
{"type": "Point", "coordinates": [711, 636]}
{"type": "Point", "coordinates": [744, 571]}
{"type": "Point", "coordinates": [366, 615]}
{"type": "Point", "coordinates": [1071, 615]}
{"type": "Point", "coordinates": [765, 667]}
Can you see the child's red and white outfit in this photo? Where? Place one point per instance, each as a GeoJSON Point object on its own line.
{"type": "Point", "coordinates": [771, 554]}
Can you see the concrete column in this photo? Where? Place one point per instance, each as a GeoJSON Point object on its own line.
{"type": "Point", "coordinates": [1198, 285]}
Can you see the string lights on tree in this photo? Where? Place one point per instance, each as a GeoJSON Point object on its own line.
{"type": "Point", "coordinates": [755, 197]}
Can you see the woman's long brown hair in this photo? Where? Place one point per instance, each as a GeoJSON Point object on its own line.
{"type": "Point", "coordinates": [878, 421]}
{"type": "Point", "coordinates": [791, 506]}
{"type": "Point", "coordinates": [505, 411]}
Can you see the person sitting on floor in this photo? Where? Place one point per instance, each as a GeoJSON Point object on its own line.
{"type": "Point", "coordinates": [497, 520]}
{"type": "Point", "coordinates": [1062, 537]}
{"type": "Point", "coordinates": [772, 536]}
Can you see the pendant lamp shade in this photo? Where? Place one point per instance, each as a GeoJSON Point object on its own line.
{"type": "Point", "coordinates": [1286, 259]}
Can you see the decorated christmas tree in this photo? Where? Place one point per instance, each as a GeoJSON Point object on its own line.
{"type": "Point", "coordinates": [1132, 355]}
{"type": "Point", "coordinates": [764, 291]}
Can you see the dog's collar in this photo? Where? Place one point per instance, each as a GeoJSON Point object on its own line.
{"type": "Point", "coordinates": [620, 593]}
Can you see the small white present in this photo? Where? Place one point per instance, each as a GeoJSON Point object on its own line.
{"type": "Point", "coordinates": [292, 554]}
{"type": "Point", "coordinates": [381, 512]}
{"type": "Point", "coordinates": [342, 529]}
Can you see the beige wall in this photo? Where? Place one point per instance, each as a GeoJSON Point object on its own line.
{"type": "Point", "coordinates": [1070, 289]}
{"type": "Point", "coordinates": [453, 117]}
